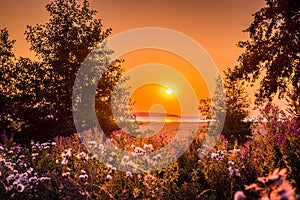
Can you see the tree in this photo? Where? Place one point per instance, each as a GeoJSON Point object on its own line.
{"type": "Point", "coordinates": [23, 84]}
{"type": "Point", "coordinates": [272, 53]}
{"type": "Point", "coordinates": [7, 59]}
{"type": "Point", "coordinates": [237, 109]}
{"type": "Point", "coordinates": [36, 98]}
{"type": "Point", "coordinates": [62, 44]}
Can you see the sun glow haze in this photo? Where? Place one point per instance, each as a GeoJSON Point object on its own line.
{"type": "Point", "coordinates": [215, 26]}
{"type": "Point", "coordinates": [168, 120]}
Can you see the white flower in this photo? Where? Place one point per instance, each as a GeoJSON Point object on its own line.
{"type": "Point", "coordinates": [82, 156]}
{"type": "Point", "coordinates": [66, 154]}
{"type": "Point", "coordinates": [148, 147]}
{"type": "Point", "coordinates": [93, 144]}
{"type": "Point", "coordinates": [20, 187]}
{"type": "Point", "coordinates": [83, 177]}
{"type": "Point", "coordinates": [43, 179]}
{"type": "Point", "coordinates": [139, 150]}
{"type": "Point", "coordinates": [64, 161]}
{"type": "Point", "coordinates": [108, 177]}
{"type": "Point", "coordinates": [10, 177]}
{"type": "Point", "coordinates": [231, 163]}
{"type": "Point", "coordinates": [101, 147]}
{"type": "Point", "coordinates": [34, 155]}
{"type": "Point", "coordinates": [214, 155]}
{"type": "Point", "coordinates": [129, 175]}
{"type": "Point", "coordinates": [65, 174]}
{"type": "Point", "coordinates": [33, 179]}
{"type": "Point", "coordinates": [30, 170]}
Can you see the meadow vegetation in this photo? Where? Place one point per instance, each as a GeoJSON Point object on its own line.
{"type": "Point", "coordinates": [43, 157]}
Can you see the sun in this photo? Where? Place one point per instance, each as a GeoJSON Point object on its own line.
{"type": "Point", "coordinates": [168, 120]}
{"type": "Point", "coordinates": [169, 91]}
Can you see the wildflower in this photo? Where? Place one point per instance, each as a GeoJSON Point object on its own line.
{"type": "Point", "coordinates": [33, 179]}
{"type": "Point", "coordinates": [139, 150]}
{"type": "Point", "coordinates": [239, 195]}
{"type": "Point", "coordinates": [65, 174]}
{"type": "Point", "coordinates": [20, 187]}
{"type": "Point", "coordinates": [82, 156]}
{"type": "Point", "coordinates": [9, 188]}
{"type": "Point", "coordinates": [129, 175]}
{"type": "Point", "coordinates": [133, 154]}
{"type": "Point", "coordinates": [231, 170]}
{"type": "Point", "coordinates": [230, 162]}
{"type": "Point", "coordinates": [108, 177]}
{"type": "Point", "coordinates": [44, 179]}
{"type": "Point", "coordinates": [158, 156]}
{"type": "Point", "coordinates": [64, 161]}
{"type": "Point", "coordinates": [10, 177]}
{"type": "Point", "coordinates": [214, 155]}
{"type": "Point", "coordinates": [66, 154]}
{"type": "Point", "coordinates": [45, 145]}
{"type": "Point", "coordinates": [101, 147]}
{"type": "Point", "coordinates": [93, 144]}
{"type": "Point", "coordinates": [110, 158]}
{"type": "Point", "coordinates": [34, 155]}
{"type": "Point", "coordinates": [148, 147]}
{"type": "Point", "coordinates": [83, 177]}
{"type": "Point", "coordinates": [125, 159]}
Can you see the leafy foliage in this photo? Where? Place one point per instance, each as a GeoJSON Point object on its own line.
{"type": "Point", "coordinates": [235, 129]}
{"type": "Point", "coordinates": [36, 101]}
{"type": "Point", "coordinates": [272, 52]}
{"type": "Point", "coordinates": [62, 44]}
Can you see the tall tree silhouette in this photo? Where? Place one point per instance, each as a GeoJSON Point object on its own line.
{"type": "Point", "coordinates": [273, 51]}
{"type": "Point", "coordinates": [38, 95]}
{"type": "Point", "coordinates": [235, 110]}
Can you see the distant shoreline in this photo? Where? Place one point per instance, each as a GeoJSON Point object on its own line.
{"type": "Point", "coordinates": [166, 117]}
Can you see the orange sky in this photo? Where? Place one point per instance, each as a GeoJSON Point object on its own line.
{"type": "Point", "coordinates": [216, 25]}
